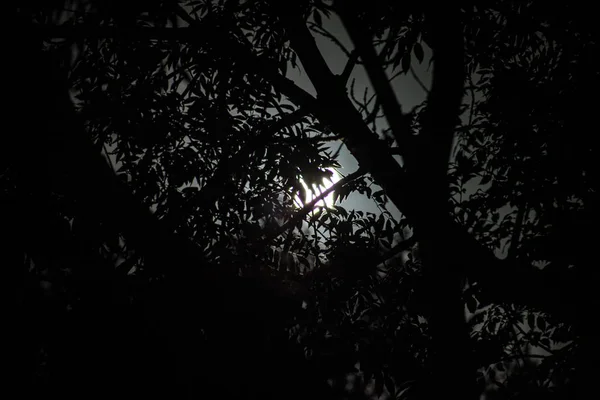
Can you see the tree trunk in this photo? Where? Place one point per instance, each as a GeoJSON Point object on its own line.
{"type": "Point", "coordinates": [453, 371]}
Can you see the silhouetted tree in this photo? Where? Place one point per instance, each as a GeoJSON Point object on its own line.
{"type": "Point", "coordinates": [153, 236]}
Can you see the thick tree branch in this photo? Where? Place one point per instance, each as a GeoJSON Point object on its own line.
{"type": "Point", "coordinates": [428, 174]}
{"type": "Point", "coordinates": [503, 281]}
{"type": "Point", "coordinates": [349, 67]}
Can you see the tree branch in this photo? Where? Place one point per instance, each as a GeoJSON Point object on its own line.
{"type": "Point", "coordinates": [503, 281]}
{"type": "Point", "coordinates": [444, 275]}
{"type": "Point", "coordinates": [419, 81]}
{"type": "Point", "coordinates": [385, 94]}
{"type": "Point", "coordinates": [308, 207]}
{"type": "Point", "coordinates": [350, 64]}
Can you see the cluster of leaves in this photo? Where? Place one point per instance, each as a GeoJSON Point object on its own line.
{"type": "Point", "coordinates": [523, 144]}
{"type": "Point", "coordinates": [191, 132]}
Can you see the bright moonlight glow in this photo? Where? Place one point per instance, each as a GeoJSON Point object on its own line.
{"type": "Point", "coordinates": [315, 191]}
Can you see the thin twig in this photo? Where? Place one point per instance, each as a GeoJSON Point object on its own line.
{"type": "Point", "coordinates": [419, 81]}
{"type": "Point", "coordinates": [322, 31]}
{"type": "Point", "coordinates": [363, 43]}
{"type": "Point", "coordinates": [373, 115]}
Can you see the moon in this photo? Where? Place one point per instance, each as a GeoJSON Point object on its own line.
{"type": "Point", "coordinates": [315, 191]}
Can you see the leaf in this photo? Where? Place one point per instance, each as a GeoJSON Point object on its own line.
{"type": "Point", "coordinates": [378, 195]}
{"type": "Point", "coordinates": [336, 196]}
{"type": "Point", "coordinates": [342, 211]}
{"type": "Point", "coordinates": [387, 226]}
{"type": "Point", "coordinates": [385, 243]}
{"type": "Point", "coordinates": [397, 59]}
{"type": "Point", "coordinates": [389, 384]}
{"type": "Point", "coordinates": [283, 67]}
{"type": "Point", "coordinates": [486, 179]}
{"type": "Point", "coordinates": [343, 193]}
{"type": "Point", "coordinates": [472, 304]}
{"type": "Point", "coordinates": [418, 49]}
{"type": "Point", "coordinates": [406, 63]}
{"type": "Point", "coordinates": [541, 323]}
{"type": "Point", "coordinates": [302, 193]}
{"type": "Point", "coordinates": [317, 18]}
{"type": "Point", "coordinates": [531, 320]}
{"type": "Point", "coordinates": [288, 107]}
{"type": "Point", "coordinates": [294, 60]}
{"type": "Point", "coordinates": [431, 61]}
{"type": "Point", "coordinates": [316, 215]}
